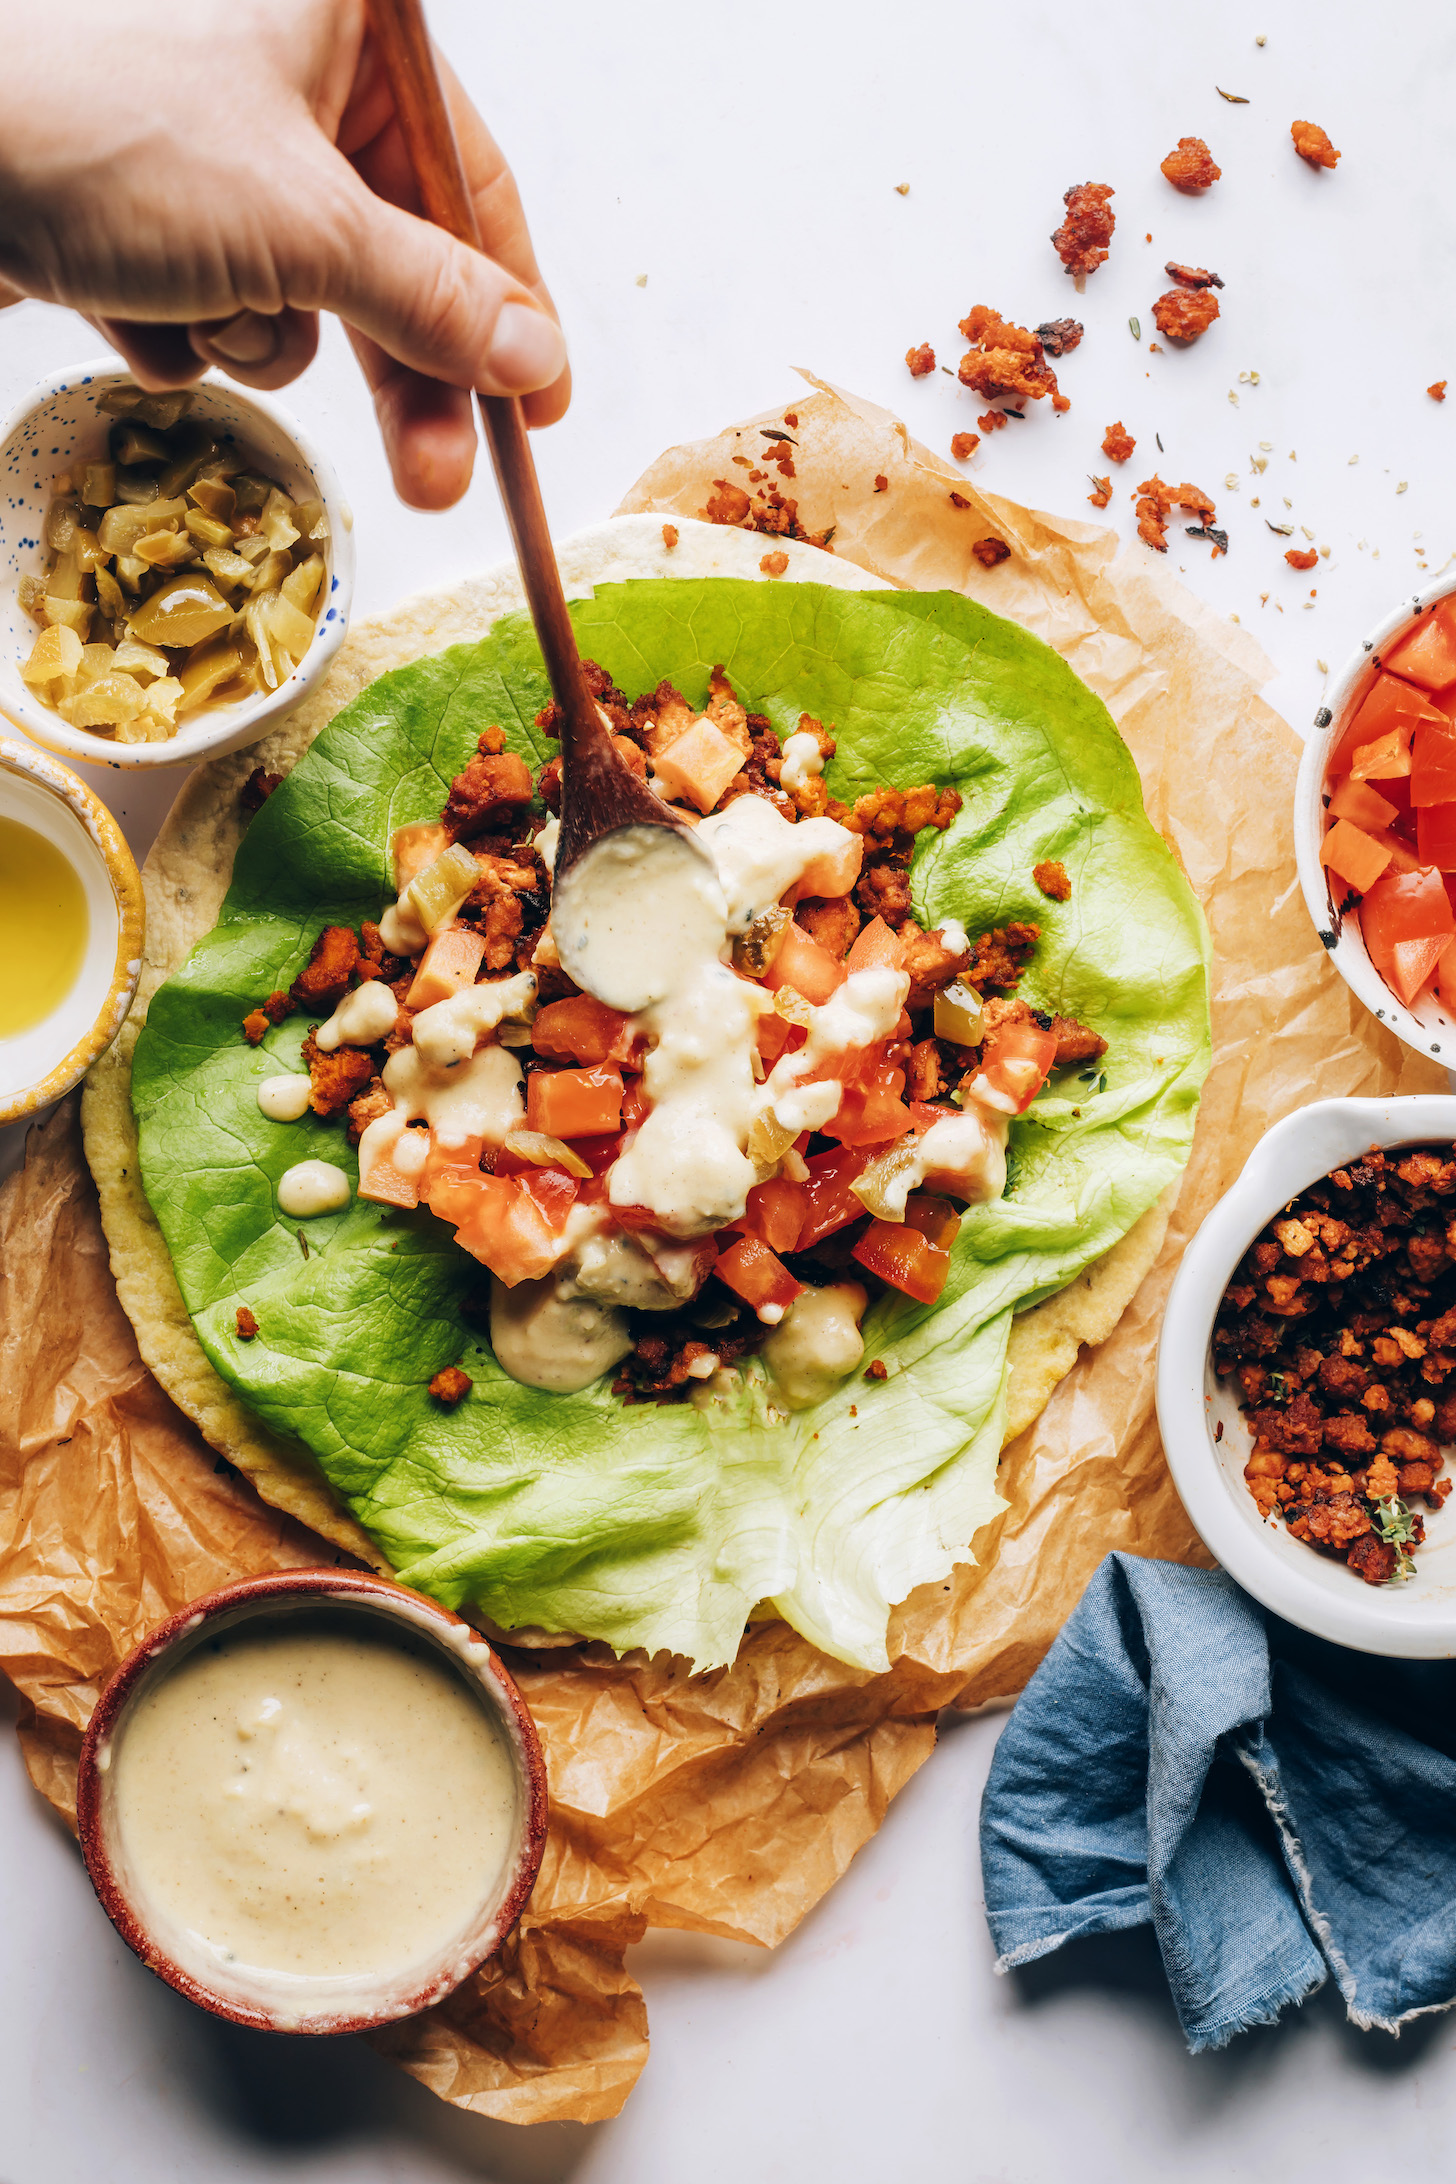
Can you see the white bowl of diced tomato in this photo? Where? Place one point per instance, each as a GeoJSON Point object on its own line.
{"type": "Point", "coordinates": [1375, 823]}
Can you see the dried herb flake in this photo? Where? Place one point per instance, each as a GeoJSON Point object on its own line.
{"type": "Point", "coordinates": [1135, 329]}
{"type": "Point", "coordinates": [1232, 96]}
{"type": "Point", "coordinates": [1280, 530]}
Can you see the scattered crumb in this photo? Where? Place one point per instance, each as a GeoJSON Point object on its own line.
{"type": "Point", "coordinates": [1437, 390]}
{"type": "Point", "coordinates": [1312, 144]}
{"type": "Point", "coordinates": [1261, 40]}
{"type": "Point", "coordinates": [1005, 362]}
{"type": "Point", "coordinates": [993, 421]}
{"type": "Point", "coordinates": [451, 1386]}
{"type": "Point", "coordinates": [1404, 486]}
{"type": "Point", "coordinates": [642, 280]}
{"type": "Point", "coordinates": [1051, 878]}
{"type": "Point", "coordinates": [1082, 240]}
{"type": "Point", "coordinates": [774, 564]}
{"type": "Point", "coordinates": [247, 1325]}
{"type": "Point", "coordinates": [669, 535]}
{"type": "Point", "coordinates": [1117, 442]}
{"type": "Point", "coordinates": [1059, 336]}
{"type": "Point", "coordinates": [1191, 276]}
{"type": "Point", "coordinates": [1103, 491]}
{"type": "Point", "coordinates": [964, 444]}
{"type": "Point", "coordinates": [1156, 501]}
{"type": "Point", "coordinates": [1300, 560]}
{"type": "Point", "coordinates": [990, 551]}
{"type": "Point", "coordinates": [882, 483]}
{"type": "Point", "coordinates": [1323, 666]}
{"type": "Point", "coordinates": [876, 1370]}
{"type": "Point", "coordinates": [921, 361]}
{"type": "Point", "coordinates": [958, 500]}
{"type": "Point", "coordinates": [1189, 167]}
{"type": "Point", "coordinates": [1185, 313]}
{"type": "Point", "coordinates": [902, 189]}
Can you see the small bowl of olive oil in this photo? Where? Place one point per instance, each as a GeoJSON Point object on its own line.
{"type": "Point", "coordinates": [72, 917]}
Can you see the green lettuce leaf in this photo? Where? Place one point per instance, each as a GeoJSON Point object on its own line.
{"type": "Point", "coordinates": [662, 1527]}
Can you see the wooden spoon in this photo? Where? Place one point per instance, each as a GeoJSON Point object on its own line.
{"type": "Point", "coordinates": [599, 791]}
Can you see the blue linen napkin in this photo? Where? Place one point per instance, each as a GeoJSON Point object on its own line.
{"type": "Point", "coordinates": [1277, 1808]}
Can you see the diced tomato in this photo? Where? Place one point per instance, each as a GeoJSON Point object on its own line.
{"type": "Point", "coordinates": [573, 1103]}
{"type": "Point", "coordinates": [774, 1213]}
{"type": "Point", "coordinates": [1397, 917]}
{"type": "Point", "coordinates": [831, 1204]}
{"type": "Point", "coordinates": [833, 872]}
{"type": "Point", "coordinates": [512, 1224]}
{"type": "Point", "coordinates": [1446, 975]}
{"type": "Point", "coordinates": [758, 1276]}
{"type": "Point", "coordinates": [383, 1184]}
{"type": "Point", "coordinates": [635, 1104]}
{"type": "Point", "coordinates": [583, 1030]}
{"type": "Point", "coordinates": [871, 1111]}
{"type": "Point", "coordinates": [413, 848]}
{"type": "Point", "coordinates": [774, 1035]}
{"type": "Point", "coordinates": [1361, 805]}
{"type": "Point", "coordinates": [453, 1176]}
{"type": "Point", "coordinates": [904, 1258]}
{"type": "Point", "coordinates": [1358, 859]}
{"type": "Point", "coordinates": [1436, 836]}
{"type": "Point", "coordinates": [598, 1152]}
{"type": "Point", "coordinates": [936, 1219]}
{"type": "Point", "coordinates": [1402, 850]}
{"type": "Point", "coordinates": [684, 1263]}
{"type": "Point", "coordinates": [1016, 1060]}
{"type": "Point", "coordinates": [878, 943]}
{"type": "Point", "coordinates": [1433, 765]}
{"type": "Point", "coordinates": [1386, 759]}
{"type": "Point", "coordinates": [804, 965]}
{"type": "Point", "coordinates": [447, 966]}
{"type": "Point", "coordinates": [1388, 704]}
{"type": "Point", "coordinates": [1426, 654]}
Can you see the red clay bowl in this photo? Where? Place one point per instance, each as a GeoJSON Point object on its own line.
{"type": "Point", "coordinates": [334, 2006]}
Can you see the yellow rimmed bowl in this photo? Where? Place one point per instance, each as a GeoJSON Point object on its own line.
{"type": "Point", "coordinates": [40, 1063]}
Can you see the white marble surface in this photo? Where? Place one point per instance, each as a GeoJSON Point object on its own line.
{"type": "Point", "coordinates": [745, 160]}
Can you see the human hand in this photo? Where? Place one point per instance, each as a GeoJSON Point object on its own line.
{"type": "Point", "coordinates": [201, 194]}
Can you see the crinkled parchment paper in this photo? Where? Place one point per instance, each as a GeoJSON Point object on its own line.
{"type": "Point", "coordinates": [725, 1803]}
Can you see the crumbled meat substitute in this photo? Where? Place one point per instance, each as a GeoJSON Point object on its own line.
{"type": "Point", "coordinates": [1338, 1331]}
{"type": "Point", "coordinates": [1189, 166]}
{"type": "Point", "coordinates": [1082, 240]}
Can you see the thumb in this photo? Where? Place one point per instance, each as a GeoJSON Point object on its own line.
{"type": "Point", "coordinates": [432, 303]}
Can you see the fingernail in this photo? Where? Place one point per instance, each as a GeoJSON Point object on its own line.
{"type": "Point", "coordinates": [247, 339]}
{"type": "Point", "coordinates": [526, 350]}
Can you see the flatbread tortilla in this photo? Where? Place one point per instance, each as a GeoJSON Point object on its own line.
{"type": "Point", "coordinates": [185, 879]}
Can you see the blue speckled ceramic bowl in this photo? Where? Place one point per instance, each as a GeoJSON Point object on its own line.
{"type": "Point", "coordinates": [57, 422]}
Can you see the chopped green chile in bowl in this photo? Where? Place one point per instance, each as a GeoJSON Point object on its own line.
{"type": "Point", "coordinates": [175, 568]}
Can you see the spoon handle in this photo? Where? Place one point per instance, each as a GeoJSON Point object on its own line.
{"type": "Point", "coordinates": [599, 790]}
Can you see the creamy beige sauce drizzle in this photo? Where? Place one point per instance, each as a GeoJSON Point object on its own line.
{"type": "Point", "coordinates": [401, 931]}
{"type": "Point", "coordinates": [970, 1146]}
{"type": "Point", "coordinates": [284, 1098]}
{"type": "Point", "coordinates": [447, 1032]}
{"type": "Point", "coordinates": [361, 1019]}
{"type": "Point", "coordinates": [479, 1099]}
{"type": "Point", "coordinates": [313, 1800]}
{"type": "Point", "coordinates": [802, 763]}
{"type": "Point", "coordinates": [546, 1334]}
{"type": "Point", "coordinates": [816, 1344]}
{"type": "Point", "coordinates": [312, 1187]}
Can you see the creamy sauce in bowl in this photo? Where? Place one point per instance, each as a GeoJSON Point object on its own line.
{"type": "Point", "coordinates": [314, 1802]}
{"type": "Point", "coordinates": [318, 1799]}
